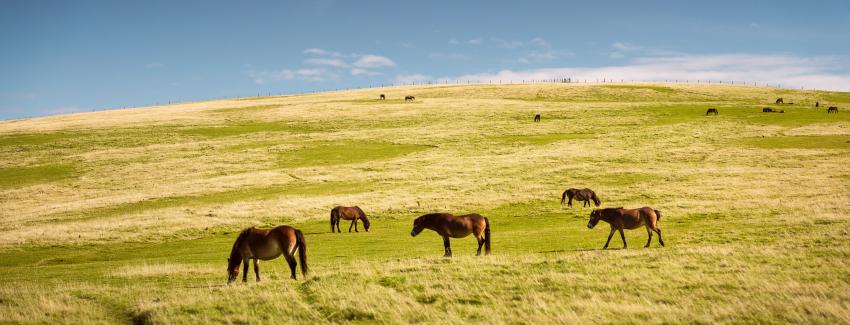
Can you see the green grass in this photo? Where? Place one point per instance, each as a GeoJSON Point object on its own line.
{"type": "Point", "coordinates": [749, 240]}
{"type": "Point", "coordinates": [800, 142]}
{"type": "Point", "coordinates": [13, 177]}
{"type": "Point", "coordinates": [350, 152]}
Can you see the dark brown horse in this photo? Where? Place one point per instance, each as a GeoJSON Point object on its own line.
{"type": "Point", "coordinates": [832, 109]}
{"type": "Point", "coordinates": [537, 118]}
{"type": "Point", "coordinates": [448, 225]}
{"type": "Point", "coordinates": [382, 97]}
{"type": "Point", "coordinates": [817, 104]}
{"type": "Point", "coordinates": [620, 219]}
{"type": "Point", "coordinates": [348, 213]}
{"type": "Point", "coordinates": [409, 98]}
{"type": "Point", "coordinates": [780, 101]}
{"type": "Point", "coordinates": [584, 194]}
{"type": "Point", "coordinates": [266, 244]}
{"type": "Point", "coordinates": [711, 111]}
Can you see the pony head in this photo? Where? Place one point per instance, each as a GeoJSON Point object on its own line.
{"type": "Point", "coordinates": [595, 215]}
{"type": "Point", "coordinates": [366, 222]}
{"type": "Point", "coordinates": [232, 269]}
{"type": "Point", "coordinates": [418, 226]}
{"type": "Point", "coordinates": [596, 200]}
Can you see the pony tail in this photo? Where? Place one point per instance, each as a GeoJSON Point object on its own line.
{"type": "Point", "coordinates": [657, 214]}
{"type": "Point", "coordinates": [564, 197]}
{"type": "Point", "coordinates": [486, 236]}
{"type": "Point", "coordinates": [302, 251]}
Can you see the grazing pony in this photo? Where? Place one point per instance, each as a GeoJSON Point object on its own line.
{"type": "Point", "coordinates": [409, 98]}
{"type": "Point", "coordinates": [585, 195]}
{"type": "Point", "coordinates": [780, 101]}
{"type": "Point", "coordinates": [832, 109]}
{"type": "Point", "coordinates": [266, 244]}
{"type": "Point", "coordinates": [817, 104]}
{"type": "Point", "coordinates": [448, 225]}
{"type": "Point", "coordinates": [537, 118]}
{"type": "Point", "coordinates": [382, 97]}
{"type": "Point", "coordinates": [348, 213]}
{"type": "Point", "coordinates": [620, 219]}
{"type": "Point", "coordinates": [711, 111]}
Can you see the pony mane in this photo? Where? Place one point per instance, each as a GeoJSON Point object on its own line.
{"type": "Point", "coordinates": [244, 233]}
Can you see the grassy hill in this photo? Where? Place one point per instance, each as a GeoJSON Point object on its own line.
{"type": "Point", "coordinates": [129, 215]}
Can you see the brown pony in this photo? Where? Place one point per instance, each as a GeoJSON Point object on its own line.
{"type": "Point", "coordinates": [382, 97]}
{"type": "Point", "coordinates": [711, 111]}
{"type": "Point", "coordinates": [266, 244]}
{"type": "Point", "coordinates": [585, 195]}
{"type": "Point", "coordinates": [537, 118]}
{"type": "Point", "coordinates": [780, 101]}
{"type": "Point", "coordinates": [448, 225]}
{"type": "Point", "coordinates": [620, 219]}
{"type": "Point", "coordinates": [832, 109]}
{"type": "Point", "coordinates": [409, 98]}
{"type": "Point", "coordinates": [348, 213]}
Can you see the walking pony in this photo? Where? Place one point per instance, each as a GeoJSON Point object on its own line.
{"type": "Point", "coordinates": [409, 98]}
{"type": "Point", "coordinates": [266, 244]}
{"type": "Point", "coordinates": [537, 118]}
{"type": "Point", "coordinates": [585, 195]}
{"type": "Point", "coordinates": [382, 97]}
{"type": "Point", "coordinates": [447, 225]}
{"type": "Point", "coordinates": [348, 213]}
{"type": "Point", "coordinates": [620, 219]}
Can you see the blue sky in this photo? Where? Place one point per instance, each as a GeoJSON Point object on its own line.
{"type": "Point", "coordinates": [69, 56]}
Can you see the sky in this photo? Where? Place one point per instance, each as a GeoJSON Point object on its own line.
{"type": "Point", "coordinates": [59, 57]}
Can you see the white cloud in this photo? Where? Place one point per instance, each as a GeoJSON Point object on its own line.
{"type": "Point", "coordinates": [261, 77]}
{"type": "Point", "coordinates": [411, 78]}
{"type": "Point", "coordinates": [625, 47]}
{"type": "Point", "coordinates": [363, 72]}
{"type": "Point", "coordinates": [474, 41]}
{"type": "Point", "coordinates": [373, 61]}
{"type": "Point", "coordinates": [322, 52]}
{"type": "Point", "coordinates": [787, 70]}
{"type": "Point", "coordinates": [541, 42]}
{"type": "Point", "coordinates": [508, 44]}
{"type": "Point", "coordinates": [329, 62]}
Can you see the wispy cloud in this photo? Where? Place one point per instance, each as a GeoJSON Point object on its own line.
{"type": "Point", "coordinates": [474, 41]}
{"type": "Point", "coordinates": [262, 77]}
{"type": "Point", "coordinates": [322, 52]}
{"type": "Point", "coordinates": [373, 61]}
{"type": "Point", "coordinates": [792, 71]}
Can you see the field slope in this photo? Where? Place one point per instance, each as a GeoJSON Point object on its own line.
{"type": "Point", "coordinates": [128, 215]}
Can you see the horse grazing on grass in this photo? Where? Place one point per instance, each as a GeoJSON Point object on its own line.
{"type": "Point", "coordinates": [817, 104]}
{"type": "Point", "coordinates": [832, 109]}
{"type": "Point", "coordinates": [620, 219]}
{"type": "Point", "coordinates": [409, 98]}
{"type": "Point", "coordinates": [585, 195]}
{"type": "Point", "coordinates": [780, 101]}
{"type": "Point", "coordinates": [537, 118]}
{"type": "Point", "coordinates": [348, 213]}
{"type": "Point", "coordinates": [382, 97]}
{"type": "Point", "coordinates": [448, 225]}
{"type": "Point", "coordinates": [711, 111]}
{"type": "Point", "coordinates": [266, 244]}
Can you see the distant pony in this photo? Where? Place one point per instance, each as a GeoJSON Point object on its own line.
{"type": "Point", "coordinates": [537, 118]}
{"type": "Point", "coordinates": [349, 213]}
{"type": "Point", "coordinates": [780, 101]}
{"type": "Point", "coordinates": [266, 244]}
{"type": "Point", "coordinates": [832, 109]}
{"type": "Point", "coordinates": [409, 98]}
{"type": "Point", "coordinates": [620, 219]}
{"type": "Point", "coordinates": [383, 97]}
{"type": "Point", "coordinates": [711, 111]}
{"type": "Point", "coordinates": [817, 104]}
{"type": "Point", "coordinates": [585, 195]}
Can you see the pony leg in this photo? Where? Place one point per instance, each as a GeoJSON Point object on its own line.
{"type": "Point", "coordinates": [658, 230]}
{"type": "Point", "coordinates": [257, 269]}
{"type": "Point", "coordinates": [292, 264]}
{"type": "Point", "coordinates": [611, 234]}
{"type": "Point", "coordinates": [649, 237]}
{"type": "Point", "coordinates": [447, 247]}
{"type": "Point", "coordinates": [352, 225]}
{"type": "Point", "coordinates": [355, 226]}
{"type": "Point", "coordinates": [622, 235]}
{"type": "Point", "coordinates": [570, 203]}
{"type": "Point", "coordinates": [338, 221]}
{"type": "Point", "coordinates": [245, 270]}
{"type": "Point", "coordinates": [480, 243]}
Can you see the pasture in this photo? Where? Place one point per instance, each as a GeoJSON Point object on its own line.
{"type": "Point", "coordinates": [129, 215]}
